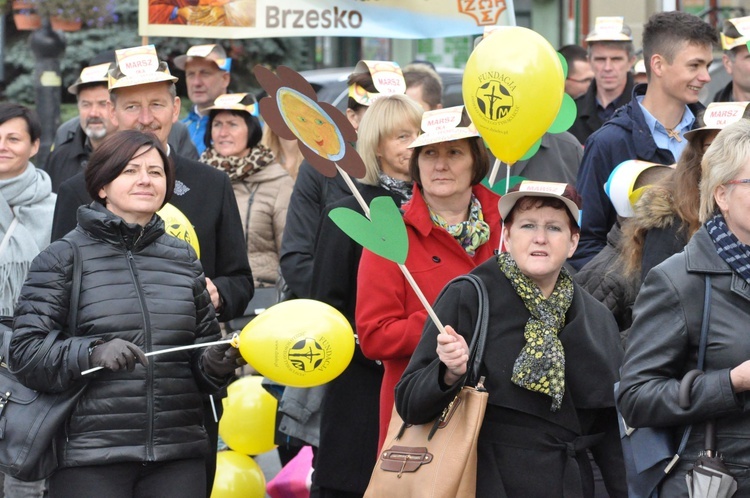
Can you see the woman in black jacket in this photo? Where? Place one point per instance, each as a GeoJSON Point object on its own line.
{"type": "Point", "coordinates": [667, 317]}
{"type": "Point", "coordinates": [550, 361]}
{"type": "Point", "coordinates": [138, 428]}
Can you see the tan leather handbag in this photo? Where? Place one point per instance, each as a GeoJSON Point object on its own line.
{"type": "Point", "coordinates": [438, 459]}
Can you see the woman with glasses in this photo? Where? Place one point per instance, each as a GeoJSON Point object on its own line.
{"type": "Point", "coordinates": [665, 335]}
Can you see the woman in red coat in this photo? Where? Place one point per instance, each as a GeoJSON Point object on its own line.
{"type": "Point", "coordinates": [453, 225]}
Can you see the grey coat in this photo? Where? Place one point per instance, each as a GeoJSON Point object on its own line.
{"type": "Point", "coordinates": [663, 346]}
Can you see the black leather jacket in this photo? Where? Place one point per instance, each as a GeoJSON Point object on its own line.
{"type": "Point", "coordinates": [663, 346]}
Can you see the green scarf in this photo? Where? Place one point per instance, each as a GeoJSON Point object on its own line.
{"type": "Point", "coordinates": [540, 366]}
{"type": "Point", "coordinates": [471, 233]}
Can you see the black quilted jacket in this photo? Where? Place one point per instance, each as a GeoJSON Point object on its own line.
{"type": "Point", "coordinates": [139, 285]}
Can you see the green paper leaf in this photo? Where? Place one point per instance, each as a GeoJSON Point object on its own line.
{"type": "Point", "coordinates": [564, 64]}
{"type": "Point", "coordinates": [533, 150]}
{"type": "Point", "coordinates": [566, 116]}
{"type": "Point", "coordinates": [384, 234]}
{"type": "Point", "coordinates": [499, 186]}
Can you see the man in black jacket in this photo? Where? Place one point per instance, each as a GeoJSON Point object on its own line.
{"type": "Point", "coordinates": [736, 61]}
{"type": "Point", "coordinates": [146, 100]}
{"type": "Point", "coordinates": [92, 128]}
{"type": "Point", "coordinates": [611, 56]}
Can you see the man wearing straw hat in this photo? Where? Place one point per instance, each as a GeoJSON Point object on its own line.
{"type": "Point", "coordinates": [94, 125]}
{"type": "Point", "coordinates": [206, 77]}
{"type": "Point", "coordinates": [611, 56]}
{"type": "Point", "coordinates": [734, 39]}
{"type": "Point", "coordinates": [677, 49]}
{"type": "Point", "coordinates": [143, 97]}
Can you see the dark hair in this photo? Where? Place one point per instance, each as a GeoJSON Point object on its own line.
{"type": "Point", "coordinates": [365, 81]}
{"type": "Point", "coordinates": [480, 158]}
{"type": "Point", "coordinates": [421, 75]}
{"type": "Point", "coordinates": [534, 202]}
{"type": "Point", "coordinates": [110, 158]}
{"type": "Point", "coordinates": [254, 131]}
{"type": "Point", "coordinates": [573, 53]}
{"type": "Point", "coordinates": [665, 32]}
{"type": "Point", "coordinates": [10, 110]}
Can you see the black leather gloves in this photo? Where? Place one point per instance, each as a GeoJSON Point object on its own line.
{"type": "Point", "coordinates": [221, 360]}
{"type": "Point", "coordinates": [116, 355]}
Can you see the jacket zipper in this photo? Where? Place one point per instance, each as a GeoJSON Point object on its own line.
{"type": "Point", "coordinates": [149, 367]}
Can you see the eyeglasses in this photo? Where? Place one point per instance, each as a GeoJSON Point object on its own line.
{"type": "Point", "coordinates": [584, 80]}
{"type": "Point", "coordinates": [740, 181]}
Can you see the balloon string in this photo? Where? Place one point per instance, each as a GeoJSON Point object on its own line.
{"type": "Point", "coordinates": [493, 173]}
{"type": "Point", "coordinates": [233, 340]}
{"type": "Point", "coordinates": [502, 225]}
{"type": "Point", "coordinates": [403, 268]}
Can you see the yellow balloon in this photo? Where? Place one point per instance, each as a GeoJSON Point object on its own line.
{"type": "Point", "coordinates": [248, 422]}
{"type": "Point", "coordinates": [299, 343]}
{"type": "Point", "coordinates": [178, 225]}
{"type": "Point", "coordinates": [237, 476]}
{"type": "Point", "coordinates": [513, 88]}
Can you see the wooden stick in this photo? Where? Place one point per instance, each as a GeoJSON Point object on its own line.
{"type": "Point", "coordinates": [403, 268]}
{"type": "Point", "coordinates": [171, 350]}
{"type": "Point", "coordinates": [423, 299]}
{"type": "Point", "coordinates": [355, 191]}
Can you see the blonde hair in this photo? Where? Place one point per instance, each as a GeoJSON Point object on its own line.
{"type": "Point", "coordinates": [273, 142]}
{"type": "Point", "coordinates": [724, 159]}
{"type": "Point", "coordinates": [385, 116]}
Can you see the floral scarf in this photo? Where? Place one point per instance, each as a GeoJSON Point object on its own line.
{"type": "Point", "coordinates": [471, 233]}
{"type": "Point", "coordinates": [540, 366]}
{"type": "Point", "coordinates": [732, 251]}
{"type": "Point", "coordinates": [402, 188]}
{"type": "Point", "coordinates": [238, 168]}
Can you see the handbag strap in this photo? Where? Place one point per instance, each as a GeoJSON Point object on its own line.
{"type": "Point", "coordinates": [701, 360]}
{"type": "Point", "coordinates": [478, 340]}
{"type": "Point", "coordinates": [75, 294]}
{"type": "Point", "coordinates": [6, 237]}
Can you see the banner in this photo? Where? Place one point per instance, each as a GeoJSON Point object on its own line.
{"type": "Point", "coordinates": [282, 18]}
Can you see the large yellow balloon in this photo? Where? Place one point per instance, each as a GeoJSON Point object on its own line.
{"type": "Point", "coordinates": [299, 343]}
{"type": "Point", "coordinates": [248, 422]}
{"type": "Point", "coordinates": [513, 87]}
{"type": "Point", "coordinates": [237, 476]}
{"type": "Point", "coordinates": [178, 225]}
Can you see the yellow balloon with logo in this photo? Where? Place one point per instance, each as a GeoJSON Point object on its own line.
{"type": "Point", "coordinates": [299, 343]}
{"type": "Point", "coordinates": [248, 422]}
{"type": "Point", "coordinates": [237, 476]}
{"type": "Point", "coordinates": [178, 225]}
{"type": "Point", "coordinates": [513, 88]}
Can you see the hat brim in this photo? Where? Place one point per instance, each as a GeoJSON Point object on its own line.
{"type": "Point", "coordinates": [509, 200]}
{"type": "Point", "coordinates": [448, 135]}
{"type": "Point", "coordinates": [180, 62]}
{"type": "Point", "coordinates": [73, 89]}
{"type": "Point", "coordinates": [231, 107]}
{"type": "Point", "coordinates": [609, 37]}
{"type": "Point", "coordinates": [141, 79]}
{"type": "Point", "coordinates": [690, 134]}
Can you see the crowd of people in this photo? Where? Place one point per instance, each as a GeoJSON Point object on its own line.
{"type": "Point", "coordinates": [595, 267]}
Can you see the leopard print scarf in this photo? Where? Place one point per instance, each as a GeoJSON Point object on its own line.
{"type": "Point", "coordinates": [540, 366]}
{"type": "Point", "coordinates": [239, 168]}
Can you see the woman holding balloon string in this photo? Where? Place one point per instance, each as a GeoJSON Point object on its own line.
{"type": "Point", "coordinates": [453, 225]}
{"type": "Point", "coordinates": [550, 362]}
{"type": "Point", "coordinates": [349, 410]}
{"type": "Point", "coordinates": [138, 427]}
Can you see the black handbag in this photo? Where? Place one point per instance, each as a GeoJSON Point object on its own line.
{"type": "Point", "coordinates": [30, 420]}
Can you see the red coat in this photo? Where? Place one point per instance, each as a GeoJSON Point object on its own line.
{"type": "Point", "coordinates": [389, 315]}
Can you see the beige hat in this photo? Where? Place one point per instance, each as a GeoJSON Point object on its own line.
{"type": "Point", "coordinates": [138, 66]}
{"type": "Point", "coordinates": [90, 75]}
{"type": "Point", "coordinates": [735, 33]}
{"type": "Point", "coordinates": [610, 29]}
{"type": "Point", "coordinates": [563, 191]}
{"type": "Point", "coordinates": [213, 52]}
{"type": "Point", "coordinates": [640, 67]}
{"type": "Point", "coordinates": [443, 125]}
{"type": "Point", "coordinates": [718, 115]}
{"type": "Point", "coordinates": [387, 78]}
{"type": "Point", "coordinates": [235, 102]}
